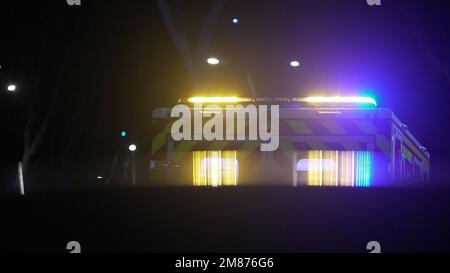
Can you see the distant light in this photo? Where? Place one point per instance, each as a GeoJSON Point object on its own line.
{"type": "Point", "coordinates": [11, 88]}
{"type": "Point", "coordinates": [132, 148]}
{"type": "Point", "coordinates": [123, 134]}
{"type": "Point", "coordinates": [235, 21]}
{"type": "Point", "coordinates": [213, 61]}
{"type": "Point", "coordinates": [295, 63]}
{"type": "Point", "coordinates": [99, 177]}
{"type": "Point", "coordinates": [363, 100]}
{"type": "Point", "coordinates": [217, 99]}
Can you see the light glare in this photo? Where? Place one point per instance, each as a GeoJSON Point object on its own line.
{"type": "Point", "coordinates": [11, 88]}
{"type": "Point", "coordinates": [338, 99]}
{"type": "Point", "coordinates": [213, 61]}
{"type": "Point", "coordinates": [217, 99]}
{"type": "Point", "coordinates": [295, 63]}
{"type": "Point", "coordinates": [132, 148]}
{"type": "Point", "coordinates": [215, 168]}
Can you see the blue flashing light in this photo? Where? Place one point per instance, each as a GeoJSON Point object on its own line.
{"type": "Point", "coordinates": [364, 163]}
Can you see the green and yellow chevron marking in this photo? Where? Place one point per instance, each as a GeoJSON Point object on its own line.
{"type": "Point", "coordinates": [381, 141]}
{"type": "Point", "coordinates": [300, 127]}
{"type": "Point", "coordinates": [160, 140]}
{"type": "Point", "coordinates": [333, 127]}
{"type": "Point", "coordinates": [182, 149]}
{"type": "Point", "coordinates": [287, 148]}
{"type": "Point", "coordinates": [383, 144]}
{"type": "Point", "coordinates": [247, 148]}
{"type": "Point", "coordinates": [218, 145]}
{"type": "Point", "coordinates": [366, 126]}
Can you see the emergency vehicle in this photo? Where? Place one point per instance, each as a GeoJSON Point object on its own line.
{"type": "Point", "coordinates": [323, 141]}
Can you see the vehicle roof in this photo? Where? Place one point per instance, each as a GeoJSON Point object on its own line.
{"type": "Point", "coordinates": [292, 112]}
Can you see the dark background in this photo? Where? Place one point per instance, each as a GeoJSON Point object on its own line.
{"type": "Point", "coordinates": [225, 220]}
{"type": "Point", "coordinates": [100, 68]}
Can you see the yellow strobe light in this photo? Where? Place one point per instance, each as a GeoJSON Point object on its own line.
{"type": "Point", "coordinates": [218, 100]}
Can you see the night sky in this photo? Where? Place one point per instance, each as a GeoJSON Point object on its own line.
{"type": "Point", "coordinates": [100, 68]}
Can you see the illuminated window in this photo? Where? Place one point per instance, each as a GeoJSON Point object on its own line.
{"type": "Point", "coordinates": [215, 168]}
{"type": "Point", "coordinates": [336, 168]}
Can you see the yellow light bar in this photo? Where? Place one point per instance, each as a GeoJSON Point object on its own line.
{"type": "Point", "coordinates": [337, 99]}
{"type": "Point", "coordinates": [218, 99]}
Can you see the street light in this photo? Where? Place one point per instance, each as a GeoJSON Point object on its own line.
{"type": "Point", "coordinates": [132, 148]}
{"type": "Point", "coordinates": [213, 61]}
{"type": "Point", "coordinates": [12, 87]}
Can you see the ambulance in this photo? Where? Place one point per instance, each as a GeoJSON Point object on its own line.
{"type": "Point", "coordinates": [323, 141]}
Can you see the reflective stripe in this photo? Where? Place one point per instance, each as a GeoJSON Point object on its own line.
{"type": "Point", "coordinates": [351, 146]}
{"type": "Point", "coordinates": [417, 152]}
{"type": "Point", "coordinates": [383, 144]}
{"type": "Point", "coordinates": [160, 140]}
{"type": "Point", "coordinates": [304, 132]}
{"type": "Point", "coordinates": [317, 146]}
{"type": "Point", "coordinates": [333, 127]}
{"type": "Point", "coordinates": [300, 127]}
{"type": "Point", "coordinates": [381, 141]}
